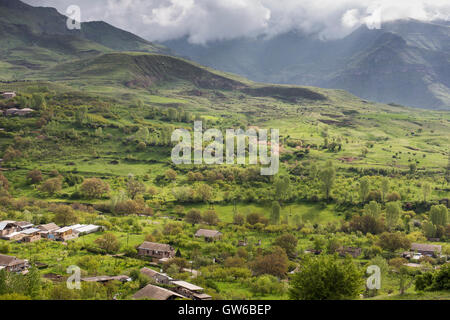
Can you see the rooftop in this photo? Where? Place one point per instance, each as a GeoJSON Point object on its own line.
{"type": "Point", "coordinates": [156, 293]}
{"type": "Point", "coordinates": [155, 246]}
{"type": "Point", "coordinates": [187, 285]}
{"type": "Point", "coordinates": [207, 233]}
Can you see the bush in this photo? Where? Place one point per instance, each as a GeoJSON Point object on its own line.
{"type": "Point", "coordinates": [94, 188]}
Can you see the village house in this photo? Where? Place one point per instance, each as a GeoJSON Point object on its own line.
{"type": "Point", "coordinates": [190, 290]}
{"type": "Point", "coordinates": [354, 252]}
{"type": "Point", "coordinates": [15, 236]}
{"type": "Point", "coordinates": [8, 94]}
{"type": "Point", "coordinates": [24, 112]}
{"type": "Point", "coordinates": [105, 279]}
{"type": "Point", "coordinates": [11, 111]}
{"type": "Point", "coordinates": [156, 293]}
{"type": "Point", "coordinates": [83, 229]}
{"type": "Point", "coordinates": [7, 227]}
{"type": "Point", "coordinates": [431, 250]}
{"type": "Point", "coordinates": [12, 264]}
{"type": "Point", "coordinates": [64, 234]}
{"type": "Point", "coordinates": [31, 235]}
{"type": "Point", "coordinates": [23, 225]}
{"type": "Point", "coordinates": [156, 276]}
{"type": "Point", "coordinates": [156, 250]}
{"type": "Point", "coordinates": [46, 230]}
{"type": "Point", "coordinates": [18, 112]}
{"type": "Point", "coordinates": [209, 235]}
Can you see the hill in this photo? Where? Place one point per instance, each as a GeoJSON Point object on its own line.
{"type": "Point", "coordinates": [34, 38]}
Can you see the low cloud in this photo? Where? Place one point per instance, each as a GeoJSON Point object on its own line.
{"type": "Point", "coordinates": [202, 21]}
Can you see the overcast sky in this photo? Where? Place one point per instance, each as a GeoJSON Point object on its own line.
{"type": "Point", "coordinates": [206, 20]}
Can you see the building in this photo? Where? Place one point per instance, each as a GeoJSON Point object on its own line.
{"type": "Point", "coordinates": [7, 227]}
{"type": "Point", "coordinates": [157, 276]}
{"type": "Point", "coordinates": [24, 112]}
{"type": "Point", "coordinates": [9, 95]}
{"type": "Point", "coordinates": [105, 279]}
{"type": "Point", "coordinates": [209, 235]}
{"type": "Point", "coordinates": [156, 293]}
{"type": "Point", "coordinates": [11, 111]}
{"type": "Point", "coordinates": [31, 235]}
{"type": "Point", "coordinates": [190, 290]}
{"type": "Point", "coordinates": [12, 264]}
{"type": "Point", "coordinates": [46, 230]}
{"type": "Point", "coordinates": [85, 229]}
{"type": "Point", "coordinates": [156, 250]}
{"type": "Point", "coordinates": [23, 225]}
{"type": "Point", "coordinates": [430, 250]}
{"type": "Point", "coordinates": [64, 234]}
{"type": "Point", "coordinates": [15, 236]}
{"type": "Point", "coordinates": [354, 252]}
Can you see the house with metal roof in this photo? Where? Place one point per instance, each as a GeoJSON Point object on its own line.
{"type": "Point", "coordinates": [152, 292]}
{"type": "Point", "coordinates": [158, 277]}
{"type": "Point", "coordinates": [190, 290]}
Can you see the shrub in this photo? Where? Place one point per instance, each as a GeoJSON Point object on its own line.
{"type": "Point", "coordinates": [94, 188]}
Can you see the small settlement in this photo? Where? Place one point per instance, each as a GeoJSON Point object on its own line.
{"type": "Point", "coordinates": [159, 253]}
{"type": "Point", "coordinates": [23, 231]}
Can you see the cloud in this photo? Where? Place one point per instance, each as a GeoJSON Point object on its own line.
{"type": "Point", "coordinates": [209, 20]}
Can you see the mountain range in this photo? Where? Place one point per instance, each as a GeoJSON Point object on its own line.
{"type": "Point", "coordinates": [404, 62]}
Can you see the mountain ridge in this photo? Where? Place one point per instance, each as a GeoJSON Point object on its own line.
{"type": "Point", "coordinates": [422, 49]}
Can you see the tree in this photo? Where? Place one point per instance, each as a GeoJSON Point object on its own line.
{"type": "Point", "coordinates": [33, 283]}
{"type": "Point", "coordinates": [51, 186]}
{"type": "Point", "coordinates": [327, 176]}
{"type": "Point", "coordinates": [193, 216]}
{"type": "Point", "coordinates": [170, 174]}
{"type": "Point", "coordinates": [282, 187]}
{"type": "Point", "coordinates": [38, 101]}
{"type": "Point", "coordinates": [239, 219]}
{"type": "Point", "coordinates": [393, 211]}
{"type": "Point", "coordinates": [393, 196]}
{"type": "Point", "coordinates": [372, 209]}
{"type": "Point", "coordinates": [288, 242]}
{"type": "Point", "coordinates": [384, 187]}
{"type": "Point", "coordinates": [438, 215]}
{"type": "Point", "coordinates": [429, 229]}
{"type": "Point", "coordinates": [366, 224]}
{"type": "Point", "coordinates": [4, 183]}
{"type": "Point", "coordinates": [135, 187]}
{"type": "Point", "coordinates": [275, 213]}
{"type": "Point", "coordinates": [274, 262]}
{"type": "Point", "coordinates": [34, 176]}
{"type": "Point", "coordinates": [364, 188]}
{"type": "Point", "coordinates": [326, 278]}
{"type": "Point", "coordinates": [94, 188]}
{"type": "Point", "coordinates": [394, 241]}
{"type": "Point", "coordinates": [65, 215]}
{"type": "Point", "coordinates": [210, 217]}
{"type": "Point", "coordinates": [426, 190]}
{"type": "Point", "coordinates": [108, 242]}
{"type": "Point", "coordinates": [204, 192]}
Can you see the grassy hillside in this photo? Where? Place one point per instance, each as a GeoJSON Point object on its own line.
{"type": "Point", "coordinates": [35, 38]}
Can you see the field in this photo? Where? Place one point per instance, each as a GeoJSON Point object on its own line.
{"type": "Point", "coordinates": [110, 119]}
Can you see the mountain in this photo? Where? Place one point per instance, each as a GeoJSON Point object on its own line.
{"type": "Point", "coordinates": [405, 62]}
{"type": "Point", "coordinates": [34, 38]}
